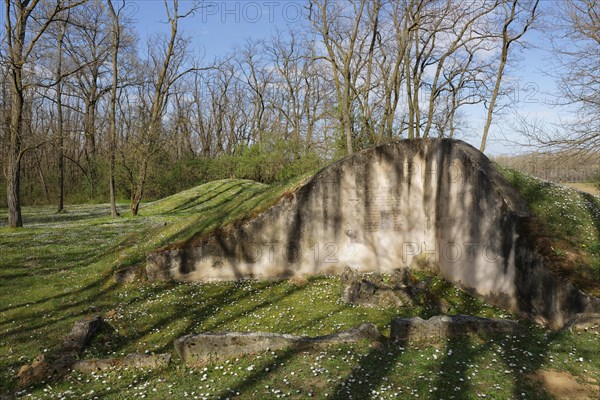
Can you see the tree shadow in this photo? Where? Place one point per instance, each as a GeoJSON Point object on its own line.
{"type": "Point", "coordinates": [378, 363]}
{"type": "Point", "coordinates": [515, 355]}
{"type": "Point", "coordinates": [452, 372]}
{"type": "Point", "coordinates": [259, 373]}
{"type": "Point", "coordinates": [268, 368]}
{"type": "Point", "coordinates": [524, 354]}
{"type": "Point", "coordinates": [96, 286]}
{"type": "Point", "coordinates": [592, 204]}
{"type": "Point", "coordinates": [202, 312]}
{"type": "Point", "coordinates": [211, 195]}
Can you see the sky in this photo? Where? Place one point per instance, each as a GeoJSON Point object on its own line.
{"type": "Point", "coordinates": [220, 26]}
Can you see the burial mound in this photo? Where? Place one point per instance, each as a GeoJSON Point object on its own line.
{"type": "Point", "coordinates": [434, 202]}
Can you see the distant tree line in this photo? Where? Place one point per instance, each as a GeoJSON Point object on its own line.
{"type": "Point", "coordinates": [559, 167]}
{"type": "Point", "coordinates": [90, 113]}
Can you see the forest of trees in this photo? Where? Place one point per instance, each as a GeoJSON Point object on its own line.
{"type": "Point", "coordinates": [89, 112]}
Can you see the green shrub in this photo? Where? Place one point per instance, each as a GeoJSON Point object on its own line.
{"type": "Point", "coordinates": [274, 160]}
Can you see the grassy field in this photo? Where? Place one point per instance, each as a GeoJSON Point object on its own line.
{"type": "Point", "coordinates": [59, 269]}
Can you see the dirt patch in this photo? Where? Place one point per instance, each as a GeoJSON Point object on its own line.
{"type": "Point", "coordinates": [299, 281]}
{"type": "Point", "coordinates": [583, 187]}
{"type": "Point", "coordinates": [563, 385]}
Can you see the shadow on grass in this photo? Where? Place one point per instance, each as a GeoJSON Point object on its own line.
{"type": "Point", "coordinates": [97, 291]}
{"type": "Point", "coordinates": [221, 189]}
{"type": "Point", "coordinates": [454, 366]}
{"type": "Point", "coordinates": [592, 204]}
{"type": "Point", "coordinates": [266, 369]}
{"type": "Point", "coordinates": [516, 356]}
{"type": "Point", "coordinates": [203, 312]}
{"type": "Point", "coordinates": [259, 374]}
{"type": "Point", "coordinates": [372, 369]}
{"type": "Point", "coordinates": [47, 218]}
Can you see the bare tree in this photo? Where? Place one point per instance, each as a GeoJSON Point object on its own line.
{"type": "Point", "coordinates": [460, 31]}
{"type": "Point", "coordinates": [287, 57]}
{"type": "Point", "coordinates": [418, 49]}
{"type": "Point", "coordinates": [575, 36]}
{"type": "Point", "coordinates": [59, 114]}
{"type": "Point", "coordinates": [89, 46]}
{"type": "Point", "coordinates": [340, 35]}
{"type": "Point", "coordinates": [50, 88]}
{"type": "Point", "coordinates": [211, 111]}
{"type": "Point", "coordinates": [366, 72]}
{"type": "Point", "coordinates": [391, 67]}
{"type": "Point", "coordinates": [257, 75]}
{"type": "Point", "coordinates": [167, 70]}
{"type": "Point", "coordinates": [20, 43]}
{"type": "Point", "coordinates": [579, 57]}
{"type": "Point", "coordinates": [112, 130]}
{"type": "Point", "coordinates": [518, 16]}
{"type": "Point", "coordinates": [316, 94]}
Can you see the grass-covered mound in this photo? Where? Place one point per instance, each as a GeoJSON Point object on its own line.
{"type": "Point", "coordinates": [59, 269]}
{"type": "Point", "coordinates": [566, 224]}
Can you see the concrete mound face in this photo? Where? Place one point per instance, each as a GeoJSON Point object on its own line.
{"type": "Point", "coordinates": [437, 200]}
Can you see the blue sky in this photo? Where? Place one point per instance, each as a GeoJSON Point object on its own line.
{"type": "Point", "coordinates": [219, 26]}
{"type": "Point", "coordinates": [533, 98]}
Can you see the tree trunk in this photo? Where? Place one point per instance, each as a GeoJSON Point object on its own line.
{"type": "Point", "coordinates": [18, 50]}
{"type": "Point", "coordinates": [409, 101]}
{"type": "Point", "coordinates": [416, 87]}
{"type": "Point", "coordinates": [507, 40]}
{"type": "Point", "coordinates": [90, 143]}
{"type": "Point", "coordinates": [348, 130]}
{"type": "Point", "coordinates": [452, 113]}
{"type": "Point", "coordinates": [347, 110]}
{"type": "Point", "coordinates": [138, 192]}
{"type": "Point", "coordinates": [61, 173]}
{"type": "Point", "coordinates": [408, 77]}
{"type": "Point", "coordinates": [113, 111]}
{"type": "Point", "coordinates": [59, 122]}
{"type": "Point", "coordinates": [42, 178]}
{"type": "Point", "coordinates": [113, 203]}
{"type": "Point", "coordinates": [490, 111]}
{"type": "Point", "coordinates": [13, 178]}
{"type": "Point", "coordinates": [13, 183]}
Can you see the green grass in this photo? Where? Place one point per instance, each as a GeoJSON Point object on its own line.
{"type": "Point", "coordinates": [569, 222]}
{"type": "Point", "coordinates": [60, 265]}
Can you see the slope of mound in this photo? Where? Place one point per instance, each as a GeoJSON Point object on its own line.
{"type": "Point", "coordinates": [566, 225]}
{"type": "Point", "coordinates": [206, 196]}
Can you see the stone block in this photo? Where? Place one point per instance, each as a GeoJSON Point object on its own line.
{"type": "Point", "coordinates": [441, 327]}
{"type": "Point", "coordinates": [201, 348]}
